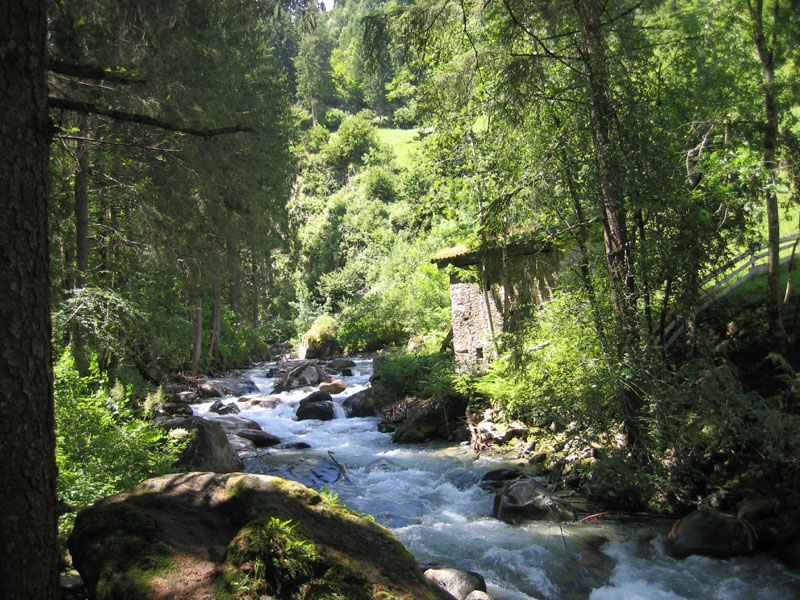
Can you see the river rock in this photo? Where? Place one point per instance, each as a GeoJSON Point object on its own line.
{"type": "Point", "coordinates": [184, 536]}
{"type": "Point", "coordinates": [478, 595]}
{"type": "Point", "coordinates": [231, 386]}
{"type": "Point", "coordinates": [324, 411]}
{"type": "Point", "coordinates": [423, 420]}
{"type": "Point", "coordinates": [335, 386]}
{"type": "Point", "coordinates": [315, 347]}
{"type": "Point", "coordinates": [224, 409]}
{"type": "Point", "coordinates": [455, 583]}
{"type": "Point", "coordinates": [526, 501]}
{"type": "Point", "coordinates": [710, 533]}
{"type": "Point", "coordinates": [208, 390]}
{"type": "Point", "coordinates": [264, 402]}
{"type": "Point", "coordinates": [261, 439]}
{"type": "Point", "coordinates": [299, 375]}
{"type": "Point", "coordinates": [339, 365]}
{"type": "Point", "coordinates": [208, 448]}
{"type": "Point", "coordinates": [317, 396]}
{"type": "Point", "coordinates": [241, 446]}
{"type": "Point", "coordinates": [175, 409]}
{"type": "Point", "coordinates": [494, 480]}
{"type": "Point", "coordinates": [232, 423]}
{"type": "Point", "coordinates": [361, 404]}
{"type": "Point", "coordinates": [188, 396]}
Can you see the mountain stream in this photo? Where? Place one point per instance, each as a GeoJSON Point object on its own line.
{"type": "Point", "coordinates": [428, 496]}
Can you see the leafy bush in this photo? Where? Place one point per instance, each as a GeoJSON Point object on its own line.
{"type": "Point", "coordinates": [333, 117]}
{"type": "Point", "coordinates": [273, 559]}
{"type": "Point", "coordinates": [555, 371]}
{"type": "Point", "coordinates": [379, 184]}
{"type": "Point", "coordinates": [399, 374]}
{"type": "Point", "coordinates": [101, 446]}
{"type": "Point", "coordinates": [353, 141]}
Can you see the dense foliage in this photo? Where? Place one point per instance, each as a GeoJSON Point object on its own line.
{"type": "Point", "coordinates": [647, 143]}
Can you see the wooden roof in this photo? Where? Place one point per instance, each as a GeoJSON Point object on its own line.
{"type": "Point", "coordinates": [462, 256]}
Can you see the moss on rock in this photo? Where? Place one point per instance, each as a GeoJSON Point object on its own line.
{"type": "Point", "coordinates": [216, 527]}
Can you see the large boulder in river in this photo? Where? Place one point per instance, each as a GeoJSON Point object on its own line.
{"type": "Point", "coordinates": [424, 420]}
{"type": "Point", "coordinates": [299, 375]}
{"type": "Point", "coordinates": [203, 535]}
{"type": "Point", "coordinates": [711, 533]}
{"type": "Point", "coordinates": [208, 448]}
{"type": "Point", "coordinates": [455, 584]}
{"type": "Point", "coordinates": [361, 404]}
{"type": "Point", "coordinates": [525, 500]}
{"type": "Point", "coordinates": [227, 386]}
{"type": "Point", "coordinates": [323, 411]}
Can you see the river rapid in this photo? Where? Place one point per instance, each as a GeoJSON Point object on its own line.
{"type": "Point", "coordinates": [428, 496]}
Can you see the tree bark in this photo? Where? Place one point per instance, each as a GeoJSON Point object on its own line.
{"type": "Point", "coordinates": [254, 277]}
{"type": "Point", "coordinates": [81, 194]}
{"type": "Point", "coordinates": [216, 315]}
{"type": "Point", "coordinates": [197, 347]}
{"type": "Point", "coordinates": [28, 546]}
{"type": "Point", "coordinates": [607, 154]}
{"type": "Point", "coordinates": [767, 59]}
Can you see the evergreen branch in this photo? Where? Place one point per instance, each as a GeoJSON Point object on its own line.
{"type": "Point", "coordinates": [90, 72]}
{"type": "Point", "coordinates": [119, 115]}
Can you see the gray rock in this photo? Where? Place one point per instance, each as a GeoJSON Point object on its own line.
{"type": "Point", "coordinates": [318, 396]}
{"type": "Point", "coordinates": [324, 411]}
{"type": "Point", "coordinates": [189, 521]}
{"type": "Point", "coordinates": [340, 364]}
{"type": "Point", "coordinates": [230, 424]}
{"type": "Point", "coordinates": [208, 448]}
{"type": "Point", "coordinates": [230, 386]}
{"type": "Point", "coordinates": [479, 595]}
{"type": "Point", "coordinates": [710, 533]}
{"type": "Point", "coordinates": [496, 479]}
{"type": "Point", "coordinates": [261, 439]}
{"type": "Point", "coordinates": [224, 409]}
{"type": "Point", "coordinates": [526, 501]}
{"type": "Point", "coordinates": [361, 404]}
{"type": "Point", "coordinates": [335, 386]}
{"type": "Point", "coordinates": [456, 583]}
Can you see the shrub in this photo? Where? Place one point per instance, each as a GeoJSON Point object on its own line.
{"type": "Point", "coordinates": [333, 118]}
{"type": "Point", "coordinates": [399, 374]}
{"type": "Point", "coordinates": [101, 446]}
{"type": "Point", "coordinates": [272, 558]}
{"type": "Point", "coordinates": [379, 184]}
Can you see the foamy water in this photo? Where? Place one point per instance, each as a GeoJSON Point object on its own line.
{"type": "Point", "coordinates": [428, 497]}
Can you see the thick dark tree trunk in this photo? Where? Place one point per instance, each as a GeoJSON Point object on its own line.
{"type": "Point", "coordinates": [28, 547]}
{"type": "Point", "coordinates": [197, 347]}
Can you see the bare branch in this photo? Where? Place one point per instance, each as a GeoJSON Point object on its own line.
{"type": "Point", "coordinates": [119, 115]}
{"type": "Point", "coordinates": [90, 72]}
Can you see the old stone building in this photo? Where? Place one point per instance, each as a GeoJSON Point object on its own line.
{"type": "Point", "coordinates": [492, 290]}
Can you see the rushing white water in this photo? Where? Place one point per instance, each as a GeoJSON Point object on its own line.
{"type": "Point", "coordinates": [428, 497]}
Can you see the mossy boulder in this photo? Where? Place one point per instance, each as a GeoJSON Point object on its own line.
{"type": "Point", "coordinates": [208, 448]}
{"type": "Point", "coordinates": [206, 535]}
{"type": "Point", "coordinates": [320, 341]}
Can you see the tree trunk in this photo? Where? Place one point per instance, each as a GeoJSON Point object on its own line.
{"type": "Point", "coordinates": [216, 316]}
{"type": "Point", "coordinates": [197, 347]}
{"type": "Point", "coordinates": [767, 58]}
{"type": "Point", "coordinates": [254, 276]}
{"type": "Point", "coordinates": [81, 193]}
{"type": "Point", "coordinates": [28, 542]}
{"type": "Point", "coordinates": [607, 154]}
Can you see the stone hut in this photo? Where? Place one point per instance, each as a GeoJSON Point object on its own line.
{"type": "Point", "coordinates": [492, 290]}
